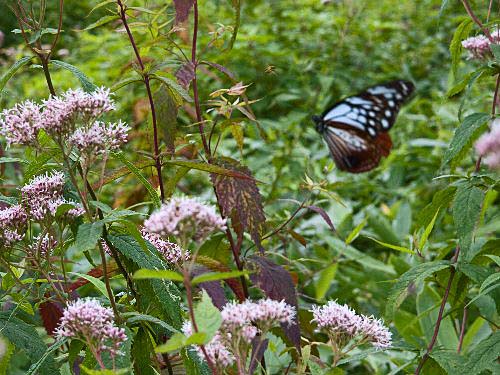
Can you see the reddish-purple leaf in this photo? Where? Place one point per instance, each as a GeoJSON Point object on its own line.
{"type": "Point", "coordinates": [221, 69]}
{"type": "Point", "coordinates": [277, 284]}
{"type": "Point", "coordinates": [240, 199]}
{"type": "Point", "coordinates": [185, 74]}
{"type": "Point", "coordinates": [324, 215]}
{"type": "Point", "coordinates": [213, 288]}
{"type": "Point", "coordinates": [182, 8]}
{"type": "Point", "coordinates": [51, 313]}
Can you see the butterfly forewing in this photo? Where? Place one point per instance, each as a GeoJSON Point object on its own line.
{"type": "Point", "coordinates": [355, 128]}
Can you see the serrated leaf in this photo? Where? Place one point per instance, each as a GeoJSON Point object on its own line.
{"type": "Point", "coordinates": [174, 86]}
{"type": "Point", "coordinates": [185, 74]}
{"type": "Point", "coordinates": [55, 346]}
{"type": "Point", "coordinates": [88, 235]}
{"type": "Point", "coordinates": [240, 199]}
{"type": "Point", "coordinates": [208, 317]}
{"type": "Point", "coordinates": [152, 192]}
{"type": "Point", "coordinates": [13, 69]}
{"type": "Point", "coordinates": [157, 274]}
{"type": "Point", "coordinates": [466, 211]}
{"type": "Point", "coordinates": [135, 317]}
{"type": "Point", "coordinates": [100, 286]}
{"type": "Point", "coordinates": [464, 135]}
{"type": "Point", "coordinates": [417, 274]}
{"type": "Point", "coordinates": [427, 232]}
{"type": "Point", "coordinates": [484, 355]}
{"type": "Point", "coordinates": [277, 284]}
{"type": "Point", "coordinates": [440, 200]}
{"type": "Point", "coordinates": [87, 85]}
{"type": "Point", "coordinates": [461, 33]}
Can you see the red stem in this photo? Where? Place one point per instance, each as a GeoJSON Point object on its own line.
{"type": "Point", "coordinates": [462, 331]}
{"type": "Point", "coordinates": [156, 155]}
{"type": "Point", "coordinates": [440, 315]}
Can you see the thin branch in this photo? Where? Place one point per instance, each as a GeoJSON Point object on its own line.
{"type": "Point", "coordinates": [477, 21]}
{"type": "Point", "coordinates": [440, 314]}
{"type": "Point", "coordinates": [156, 156]}
{"type": "Point", "coordinates": [462, 330]}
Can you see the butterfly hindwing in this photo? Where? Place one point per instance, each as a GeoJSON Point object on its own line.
{"type": "Point", "coordinates": [355, 128]}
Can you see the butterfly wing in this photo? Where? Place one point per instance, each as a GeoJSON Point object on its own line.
{"type": "Point", "coordinates": [355, 128]}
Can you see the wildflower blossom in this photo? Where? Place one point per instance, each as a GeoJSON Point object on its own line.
{"type": "Point", "coordinates": [186, 217]}
{"type": "Point", "coordinates": [13, 222]}
{"type": "Point", "coordinates": [43, 195]}
{"type": "Point", "coordinates": [342, 324]}
{"type": "Point", "coordinates": [87, 320]}
{"type": "Point", "coordinates": [478, 47]}
{"type": "Point", "coordinates": [488, 146]}
{"type": "Point", "coordinates": [172, 252]}
{"type": "Point", "coordinates": [42, 245]}
{"type": "Point", "coordinates": [100, 137]}
{"type": "Point", "coordinates": [21, 124]}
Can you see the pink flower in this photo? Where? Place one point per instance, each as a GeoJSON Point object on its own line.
{"type": "Point", "coordinates": [21, 124]}
{"type": "Point", "coordinates": [100, 137]}
{"type": "Point", "coordinates": [185, 217]}
{"type": "Point", "coordinates": [488, 146]}
{"type": "Point", "coordinates": [172, 252]}
{"type": "Point", "coordinates": [43, 195]}
{"type": "Point", "coordinates": [13, 221]}
{"type": "Point", "coordinates": [87, 320]}
{"type": "Point", "coordinates": [43, 245]}
{"type": "Point", "coordinates": [478, 47]}
{"type": "Point", "coordinates": [375, 332]}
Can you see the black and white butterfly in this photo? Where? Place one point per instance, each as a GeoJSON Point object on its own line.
{"type": "Point", "coordinates": [356, 128]}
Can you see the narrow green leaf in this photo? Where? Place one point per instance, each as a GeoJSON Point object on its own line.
{"type": "Point", "coordinates": [157, 274]}
{"type": "Point", "coordinates": [214, 276]}
{"type": "Point", "coordinates": [100, 286]}
{"type": "Point", "coordinates": [102, 21]}
{"type": "Point", "coordinates": [393, 247]}
{"type": "Point", "coordinates": [461, 33]}
{"type": "Point", "coordinates": [326, 277]}
{"type": "Point", "coordinates": [13, 69]}
{"type": "Point", "coordinates": [125, 82]}
{"type": "Point", "coordinates": [464, 135]}
{"type": "Point", "coordinates": [152, 192]}
{"type": "Point", "coordinates": [87, 85]}
{"type": "Point", "coordinates": [427, 232]}
{"type": "Point", "coordinates": [171, 183]}
{"type": "Point", "coordinates": [135, 317]}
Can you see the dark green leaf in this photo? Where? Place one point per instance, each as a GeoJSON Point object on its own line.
{"type": "Point", "coordinates": [13, 69]}
{"type": "Point", "coordinates": [208, 317]}
{"type": "Point", "coordinates": [484, 355]}
{"type": "Point", "coordinates": [87, 85]}
{"type": "Point", "coordinates": [461, 33]}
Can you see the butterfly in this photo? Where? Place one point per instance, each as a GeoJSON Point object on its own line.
{"type": "Point", "coordinates": [356, 128]}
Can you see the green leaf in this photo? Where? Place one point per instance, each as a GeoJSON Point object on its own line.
{"type": "Point", "coordinates": [125, 82]}
{"type": "Point", "coordinates": [25, 337]}
{"type": "Point", "coordinates": [354, 233]}
{"type": "Point", "coordinates": [100, 286]}
{"type": "Point", "coordinates": [427, 232]}
{"type": "Point", "coordinates": [495, 48]}
{"type": "Point", "coordinates": [171, 183]}
{"type": "Point", "coordinates": [157, 274]}
{"type": "Point", "coordinates": [152, 192]}
{"type": "Point", "coordinates": [466, 211]}
{"type": "Point", "coordinates": [102, 21]}
{"type": "Point", "coordinates": [417, 274]}
{"type": "Point", "coordinates": [393, 247]}
{"type": "Point", "coordinates": [55, 346]}
{"type": "Point", "coordinates": [276, 355]}
{"type": "Point", "coordinates": [208, 317]}
{"type": "Point", "coordinates": [440, 200]}
{"type": "Point", "coordinates": [88, 235]}
{"type": "Point", "coordinates": [484, 355]}
{"type": "Point", "coordinates": [87, 85]}
{"type": "Point", "coordinates": [214, 276]}
{"type": "Point", "coordinates": [166, 113]}
{"type": "Point", "coordinates": [135, 317]}
{"type": "Point", "coordinates": [467, 81]}
{"type": "Point", "coordinates": [461, 33]}
{"type": "Point", "coordinates": [179, 341]}
{"type": "Point", "coordinates": [237, 17]}
{"type": "Point", "coordinates": [326, 277]}
{"type": "Point", "coordinates": [174, 87]}
{"type": "Point", "coordinates": [8, 350]}
{"type": "Point", "coordinates": [450, 361]}
{"type": "Point", "coordinates": [464, 135]}
{"type": "Point", "coordinates": [13, 69]}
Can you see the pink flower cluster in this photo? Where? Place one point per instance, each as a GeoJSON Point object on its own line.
{"type": "Point", "coordinates": [42, 245]}
{"type": "Point", "coordinates": [186, 217]}
{"type": "Point", "coordinates": [342, 323]}
{"type": "Point", "coordinates": [43, 195]}
{"type": "Point", "coordinates": [13, 221]}
{"type": "Point", "coordinates": [172, 252]}
{"type": "Point", "coordinates": [479, 46]}
{"type": "Point", "coordinates": [488, 146]}
{"type": "Point", "coordinates": [100, 137]}
{"type": "Point", "coordinates": [87, 320]}
{"type": "Point", "coordinates": [241, 322]}
{"type": "Point", "coordinates": [71, 116]}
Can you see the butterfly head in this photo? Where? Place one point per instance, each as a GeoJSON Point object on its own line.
{"type": "Point", "coordinates": [320, 124]}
